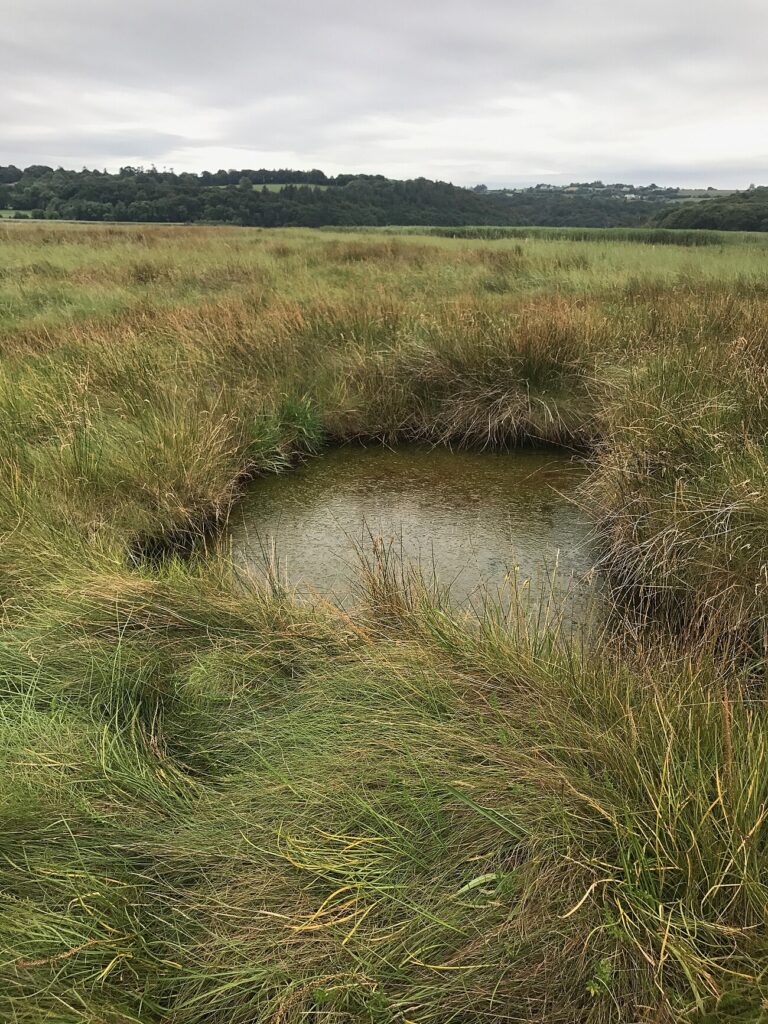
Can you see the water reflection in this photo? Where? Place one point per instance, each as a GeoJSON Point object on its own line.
{"type": "Point", "coordinates": [469, 519]}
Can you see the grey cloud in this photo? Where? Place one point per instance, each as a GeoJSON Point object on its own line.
{"type": "Point", "coordinates": [74, 144]}
{"type": "Point", "coordinates": [584, 90]}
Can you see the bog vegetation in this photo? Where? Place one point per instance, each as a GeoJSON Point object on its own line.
{"type": "Point", "coordinates": [220, 806]}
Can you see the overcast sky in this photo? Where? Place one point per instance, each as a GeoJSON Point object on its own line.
{"type": "Point", "coordinates": [495, 91]}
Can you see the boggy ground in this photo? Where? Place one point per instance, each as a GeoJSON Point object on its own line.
{"type": "Point", "coordinates": [220, 807]}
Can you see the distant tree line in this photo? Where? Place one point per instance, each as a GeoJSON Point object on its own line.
{"type": "Point", "coordinates": [742, 211]}
{"type": "Point", "coordinates": [289, 198]}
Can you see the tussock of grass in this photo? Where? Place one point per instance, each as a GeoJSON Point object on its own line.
{"type": "Point", "coordinates": [419, 815]}
{"type": "Point", "coordinates": [220, 806]}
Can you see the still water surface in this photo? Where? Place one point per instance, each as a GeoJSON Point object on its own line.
{"type": "Point", "coordinates": [469, 519]}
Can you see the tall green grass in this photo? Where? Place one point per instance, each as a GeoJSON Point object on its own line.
{"type": "Point", "coordinates": [220, 806]}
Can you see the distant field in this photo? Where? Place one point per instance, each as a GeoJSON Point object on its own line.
{"type": "Point", "coordinates": [220, 805]}
{"type": "Point", "coordinates": [279, 186]}
{"type": "Point", "coordinates": [276, 187]}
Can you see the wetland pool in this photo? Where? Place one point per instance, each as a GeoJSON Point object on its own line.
{"type": "Point", "coordinates": [472, 521]}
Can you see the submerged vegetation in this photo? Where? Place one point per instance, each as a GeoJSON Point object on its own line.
{"type": "Point", "coordinates": [223, 806]}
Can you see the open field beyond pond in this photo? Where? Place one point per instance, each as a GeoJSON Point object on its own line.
{"type": "Point", "coordinates": [223, 806]}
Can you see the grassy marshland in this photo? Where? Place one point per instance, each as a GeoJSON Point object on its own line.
{"type": "Point", "coordinates": [221, 808]}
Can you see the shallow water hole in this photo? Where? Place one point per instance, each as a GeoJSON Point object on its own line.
{"type": "Point", "coordinates": [482, 526]}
